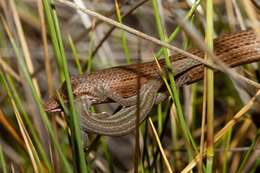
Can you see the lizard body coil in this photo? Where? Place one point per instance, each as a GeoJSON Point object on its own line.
{"type": "Point", "coordinates": [119, 84]}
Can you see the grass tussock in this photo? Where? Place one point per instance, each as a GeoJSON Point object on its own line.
{"type": "Point", "coordinates": [208, 126]}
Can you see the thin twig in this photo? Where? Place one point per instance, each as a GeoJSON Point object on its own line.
{"type": "Point", "coordinates": [220, 65]}
{"type": "Point", "coordinates": [160, 145]}
{"type": "Point", "coordinates": [224, 130]}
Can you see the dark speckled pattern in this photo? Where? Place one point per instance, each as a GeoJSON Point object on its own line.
{"type": "Point", "coordinates": [235, 49]}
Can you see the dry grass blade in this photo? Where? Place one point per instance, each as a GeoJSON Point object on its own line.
{"type": "Point", "coordinates": [24, 44]}
{"type": "Point", "coordinates": [225, 129]}
{"type": "Point", "coordinates": [10, 128]}
{"type": "Point", "coordinates": [252, 15]}
{"type": "Point", "coordinates": [160, 146]}
{"type": "Point", "coordinates": [44, 42]}
{"type": "Point", "coordinates": [220, 65]}
{"type": "Point", "coordinates": [9, 70]}
{"type": "Point", "coordinates": [45, 47]}
{"type": "Point", "coordinates": [27, 140]}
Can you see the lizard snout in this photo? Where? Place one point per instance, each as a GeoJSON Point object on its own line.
{"type": "Point", "coordinates": [52, 106]}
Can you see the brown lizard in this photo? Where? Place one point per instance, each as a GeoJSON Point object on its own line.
{"type": "Point", "coordinates": [119, 84]}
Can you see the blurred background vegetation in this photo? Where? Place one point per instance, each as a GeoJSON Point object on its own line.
{"type": "Point", "coordinates": [43, 42]}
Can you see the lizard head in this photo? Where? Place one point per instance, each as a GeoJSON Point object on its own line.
{"type": "Point", "coordinates": [82, 88]}
{"type": "Point", "coordinates": [52, 105]}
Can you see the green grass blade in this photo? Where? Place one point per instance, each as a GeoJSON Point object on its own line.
{"type": "Point", "coordinates": [57, 43]}
{"type": "Point", "coordinates": [247, 155]}
{"type": "Point", "coordinates": [209, 88]}
{"type": "Point", "coordinates": [75, 55]}
{"type": "Point", "coordinates": [175, 94]}
{"type": "Point", "coordinates": [2, 160]}
{"type": "Point", "coordinates": [12, 94]}
{"type": "Point", "coordinates": [124, 40]}
{"type": "Point", "coordinates": [38, 102]}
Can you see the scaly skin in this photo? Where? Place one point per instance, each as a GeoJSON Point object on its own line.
{"type": "Point", "coordinates": [234, 50]}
